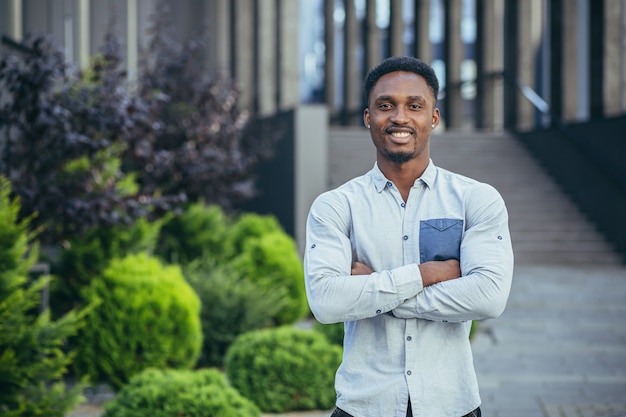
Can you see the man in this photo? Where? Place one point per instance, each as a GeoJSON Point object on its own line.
{"type": "Point", "coordinates": [407, 256]}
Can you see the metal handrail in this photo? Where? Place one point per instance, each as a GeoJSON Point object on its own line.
{"type": "Point", "coordinates": [534, 98]}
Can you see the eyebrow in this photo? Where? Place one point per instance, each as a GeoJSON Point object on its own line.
{"type": "Point", "coordinates": [390, 98]}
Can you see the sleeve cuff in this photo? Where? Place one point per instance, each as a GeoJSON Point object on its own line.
{"type": "Point", "coordinates": [408, 281]}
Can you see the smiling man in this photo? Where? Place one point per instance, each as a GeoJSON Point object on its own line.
{"type": "Point", "coordinates": [406, 256]}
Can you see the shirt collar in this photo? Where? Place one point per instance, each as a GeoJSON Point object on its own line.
{"type": "Point", "coordinates": [428, 177]}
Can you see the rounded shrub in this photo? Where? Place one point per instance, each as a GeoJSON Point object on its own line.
{"type": "Point", "coordinates": [245, 227]}
{"type": "Point", "coordinates": [198, 231]}
{"type": "Point", "coordinates": [272, 261]}
{"type": "Point", "coordinates": [83, 258]}
{"type": "Point", "coordinates": [147, 316]}
{"type": "Point", "coordinates": [168, 393]}
{"type": "Point", "coordinates": [284, 369]}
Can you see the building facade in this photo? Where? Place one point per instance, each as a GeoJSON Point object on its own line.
{"type": "Point", "coordinates": [502, 63]}
{"type": "Point", "coordinates": [516, 65]}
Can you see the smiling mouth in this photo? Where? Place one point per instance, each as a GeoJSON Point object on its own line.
{"type": "Point", "coordinates": [399, 136]}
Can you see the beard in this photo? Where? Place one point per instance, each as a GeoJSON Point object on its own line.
{"type": "Point", "coordinates": [400, 157]}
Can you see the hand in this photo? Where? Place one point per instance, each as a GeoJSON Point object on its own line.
{"type": "Point", "coordinates": [359, 268]}
{"type": "Point", "coordinates": [439, 271]}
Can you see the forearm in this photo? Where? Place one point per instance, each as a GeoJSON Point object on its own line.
{"type": "Point", "coordinates": [433, 272]}
{"type": "Point", "coordinates": [481, 294]}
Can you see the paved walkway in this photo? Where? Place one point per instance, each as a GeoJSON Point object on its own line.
{"type": "Point", "coordinates": [559, 350]}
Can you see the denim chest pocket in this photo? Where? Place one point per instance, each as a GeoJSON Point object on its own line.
{"type": "Point", "coordinates": [440, 239]}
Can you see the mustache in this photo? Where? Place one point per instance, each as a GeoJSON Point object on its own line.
{"type": "Point", "coordinates": [396, 128]}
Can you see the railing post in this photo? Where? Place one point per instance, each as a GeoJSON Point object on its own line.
{"type": "Point", "coordinates": [453, 54]}
{"type": "Point", "coordinates": [510, 64]}
{"type": "Point", "coordinates": [596, 59]}
{"type": "Point", "coordinates": [556, 60]}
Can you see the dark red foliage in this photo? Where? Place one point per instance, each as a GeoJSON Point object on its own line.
{"type": "Point", "coordinates": [178, 132]}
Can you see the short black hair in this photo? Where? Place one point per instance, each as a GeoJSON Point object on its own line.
{"type": "Point", "coordinates": [402, 63]}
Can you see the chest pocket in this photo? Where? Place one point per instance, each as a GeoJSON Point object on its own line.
{"type": "Point", "coordinates": [440, 239]}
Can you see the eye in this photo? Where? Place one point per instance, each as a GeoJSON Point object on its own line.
{"type": "Point", "coordinates": [384, 106]}
{"type": "Point", "coordinates": [415, 106]}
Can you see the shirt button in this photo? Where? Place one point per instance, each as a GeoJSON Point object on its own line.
{"type": "Point", "coordinates": [409, 338]}
{"type": "Point", "coordinates": [405, 237]}
{"type": "Point", "coordinates": [378, 311]}
{"type": "Point", "coordinates": [389, 184]}
{"type": "Point", "coordinates": [408, 372]}
{"type": "Point", "coordinates": [403, 205]}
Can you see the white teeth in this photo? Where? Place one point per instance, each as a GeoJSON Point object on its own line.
{"type": "Point", "coordinates": [400, 134]}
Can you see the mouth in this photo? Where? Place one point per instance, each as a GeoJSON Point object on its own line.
{"type": "Point", "coordinates": [399, 136]}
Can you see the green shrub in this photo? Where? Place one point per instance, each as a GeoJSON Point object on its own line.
{"type": "Point", "coordinates": [170, 393]}
{"type": "Point", "coordinates": [199, 231]}
{"type": "Point", "coordinates": [333, 332]}
{"type": "Point", "coordinates": [148, 316]}
{"type": "Point", "coordinates": [284, 369]}
{"type": "Point", "coordinates": [15, 240]}
{"type": "Point", "coordinates": [272, 261]}
{"type": "Point", "coordinates": [83, 258]}
{"type": "Point", "coordinates": [246, 227]}
{"type": "Point", "coordinates": [252, 247]}
{"type": "Point", "coordinates": [32, 359]}
{"type": "Point", "coordinates": [231, 305]}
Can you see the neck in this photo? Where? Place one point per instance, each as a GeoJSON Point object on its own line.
{"type": "Point", "coordinates": [403, 175]}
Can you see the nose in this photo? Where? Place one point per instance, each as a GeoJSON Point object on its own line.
{"type": "Point", "coordinates": [400, 115]}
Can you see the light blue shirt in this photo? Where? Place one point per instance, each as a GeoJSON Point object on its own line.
{"type": "Point", "coordinates": [403, 340]}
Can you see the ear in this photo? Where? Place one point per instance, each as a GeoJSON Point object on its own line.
{"type": "Point", "coordinates": [435, 118]}
{"type": "Point", "coordinates": [366, 117]}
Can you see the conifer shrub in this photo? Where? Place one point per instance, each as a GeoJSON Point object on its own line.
{"type": "Point", "coordinates": [231, 305]}
{"type": "Point", "coordinates": [148, 316]}
{"type": "Point", "coordinates": [168, 393]}
{"type": "Point", "coordinates": [33, 360]}
{"type": "Point", "coordinates": [284, 369]}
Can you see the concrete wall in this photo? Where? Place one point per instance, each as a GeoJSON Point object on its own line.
{"type": "Point", "coordinates": [311, 162]}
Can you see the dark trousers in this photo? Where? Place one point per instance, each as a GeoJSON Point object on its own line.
{"type": "Point", "coordinates": [409, 413]}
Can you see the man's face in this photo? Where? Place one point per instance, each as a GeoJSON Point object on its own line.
{"type": "Point", "coordinates": [401, 113]}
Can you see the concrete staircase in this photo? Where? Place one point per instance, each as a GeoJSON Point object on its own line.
{"type": "Point", "coordinates": [546, 227]}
